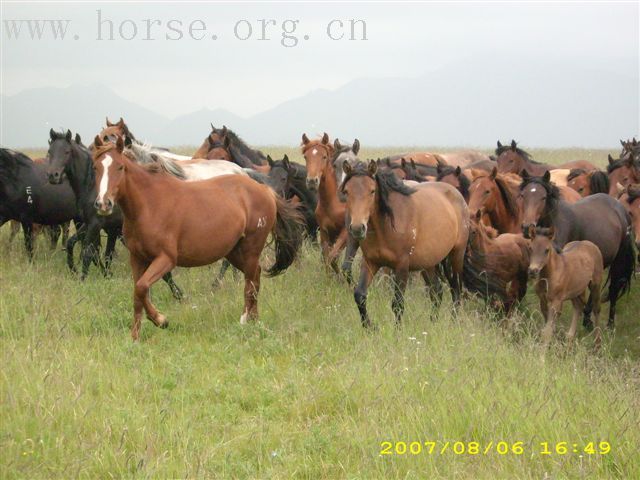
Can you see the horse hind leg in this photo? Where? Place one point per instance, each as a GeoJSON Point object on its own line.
{"type": "Point", "coordinates": [578, 307]}
{"type": "Point", "coordinates": [247, 260]}
{"type": "Point", "coordinates": [433, 285]}
{"type": "Point", "coordinates": [176, 291]}
{"type": "Point", "coordinates": [53, 232]}
{"type": "Point", "coordinates": [400, 284]}
{"type": "Point", "coordinates": [595, 299]}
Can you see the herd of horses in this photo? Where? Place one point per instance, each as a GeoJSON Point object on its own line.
{"type": "Point", "coordinates": [486, 224]}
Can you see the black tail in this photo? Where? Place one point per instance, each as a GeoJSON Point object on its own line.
{"type": "Point", "coordinates": [287, 233]}
{"type": "Point", "coordinates": [599, 182]}
{"type": "Point", "coordinates": [477, 279]}
{"type": "Point", "coordinates": [622, 268]}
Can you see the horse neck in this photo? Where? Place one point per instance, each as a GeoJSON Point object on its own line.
{"type": "Point", "coordinates": [80, 170]}
{"type": "Point", "coordinates": [130, 199]}
{"type": "Point", "coordinates": [535, 169]}
{"type": "Point", "coordinates": [553, 267]}
{"type": "Point", "coordinates": [501, 218]}
{"type": "Point", "coordinates": [328, 189]}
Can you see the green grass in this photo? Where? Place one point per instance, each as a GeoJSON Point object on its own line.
{"type": "Point", "coordinates": [305, 392]}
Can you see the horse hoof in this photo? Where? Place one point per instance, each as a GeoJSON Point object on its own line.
{"type": "Point", "coordinates": [162, 321]}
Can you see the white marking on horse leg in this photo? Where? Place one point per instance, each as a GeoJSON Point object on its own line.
{"type": "Point", "coordinates": [243, 318]}
{"type": "Point", "coordinates": [104, 181]}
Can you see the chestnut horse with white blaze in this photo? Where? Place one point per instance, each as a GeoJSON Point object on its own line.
{"type": "Point", "coordinates": [169, 223]}
{"type": "Point", "coordinates": [403, 228]}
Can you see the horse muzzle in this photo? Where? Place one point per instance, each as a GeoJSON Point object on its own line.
{"type": "Point", "coordinates": [103, 208]}
{"type": "Point", "coordinates": [525, 229]}
{"type": "Point", "coordinates": [358, 231]}
{"type": "Point", "coordinates": [534, 272]}
{"type": "Point", "coordinates": [55, 177]}
{"type": "Point", "coordinates": [313, 183]}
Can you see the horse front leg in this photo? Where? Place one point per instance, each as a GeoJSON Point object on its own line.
{"type": "Point", "coordinates": [347, 264]}
{"type": "Point", "coordinates": [27, 228]}
{"type": "Point", "coordinates": [89, 248]}
{"type": "Point", "coordinates": [158, 267]}
{"type": "Point", "coordinates": [367, 272]}
{"type": "Point", "coordinates": [401, 275]}
{"type": "Point", "coordinates": [108, 253]}
{"type": "Point", "coordinates": [547, 332]}
{"type": "Point", "coordinates": [337, 247]}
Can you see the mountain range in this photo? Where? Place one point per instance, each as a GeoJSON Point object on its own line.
{"type": "Point", "coordinates": [465, 104]}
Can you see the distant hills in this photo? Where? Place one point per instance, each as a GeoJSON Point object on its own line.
{"type": "Point", "coordinates": [465, 104]}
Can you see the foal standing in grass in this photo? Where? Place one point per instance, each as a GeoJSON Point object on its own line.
{"type": "Point", "coordinates": [565, 275]}
{"type": "Point", "coordinates": [169, 223]}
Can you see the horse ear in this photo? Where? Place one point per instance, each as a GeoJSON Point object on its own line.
{"type": "Point", "coordinates": [623, 143]}
{"type": "Point", "coordinates": [305, 139]}
{"type": "Point", "coordinates": [499, 144]}
{"type": "Point", "coordinates": [121, 122]}
{"type": "Point", "coordinates": [494, 173]}
{"type": "Point", "coordinates": [109, 124]}
{"type": "Point", "coordinates": [346, 168]}
{"type": "Point", "coordinates": [513, 145]}
{"type": "Point", "coordinates": [630, 162]}
{"type": "Point", "coordinates": [325, 138]}
{"type": "Point", "coordinates": [120, 144]}
{"type": "Point", "coordinates": [372, 168]}
{"type": "Point", "coordinates": [52, 134]}
{"type": "Point", "coordinates": [611, 160]}
{"type": "Point", "coordinates": [97, 141]}
{"type": "Point", "coordinates": [285, 162]}
{"type": "Point", "coordinates": [336, 144]}
{"type": "Point", "coordinates": [224, 130]}
{"type": "Point", "coordinates": [388, 160]}
{"type": "Point", "coordinates": [413, 164]}
{"type": "Point", "coordinates": [403, 162]}
{"type": "Point", "coordinates": [69, 136]}
{"type": "Point", "coordinates": [213, 129]}
{"type": "Point", "coordinates": [458, 171]}
{"type": "Point", "coordinates": [547, 176]}
{"type": "Point", "coordinates": [127, 141]}
{"type": "Point", "coordinates": [356, 146]}
{"type": "Point", "coordinates": [270, 161]}
{"type": "Point", "coordinates": [524, 173]}
{"type": "Point", "coordinates": [78, 140]}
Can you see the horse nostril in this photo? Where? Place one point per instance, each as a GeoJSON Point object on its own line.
{"type": "Point", "coordinates": [109, 203]}
{"type": "Point", "coordinates": [96, 204]}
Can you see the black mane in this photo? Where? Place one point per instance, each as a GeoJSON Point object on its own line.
{"type": "Point", "coordinates": [386, 183]}
{"type": "Point", "coordinates": [622, 162]}
{"type": "Point", "coordinates": [523, 153]}
{"type": "Point", "coordinates": [256, 156]}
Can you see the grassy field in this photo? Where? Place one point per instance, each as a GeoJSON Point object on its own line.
{"type": "Point", "coordinates": [305, 392]}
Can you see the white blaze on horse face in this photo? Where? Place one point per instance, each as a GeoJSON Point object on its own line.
{"type": "Point", "coordinates": [533, 189]}
{"type": "Point", "coordinates": [314, 151]}
{"type": "Point", "coordinates": [104, 181]}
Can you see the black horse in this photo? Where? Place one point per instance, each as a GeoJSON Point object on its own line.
{"type": "Point", "coordinates": [27, 196]}
{"type": "Point", "coordinates": [289, 180]}
{"type": "Point", "coordinates": [598, 218]}
{"type": "Point", "coordinates": [70, 158]}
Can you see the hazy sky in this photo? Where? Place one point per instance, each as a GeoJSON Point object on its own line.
{"type": "Point", "coordinates": [175, 77]}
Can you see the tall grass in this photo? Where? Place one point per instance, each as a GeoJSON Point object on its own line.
{"type": "Point", "coordinates": [303, 393]}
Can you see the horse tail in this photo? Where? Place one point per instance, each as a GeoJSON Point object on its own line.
{"type": "Point", "coordinates": [622, 268]}
{"type": "Point", "coordinates": [599, 182]}
{"type": "Point", "coordinates": [477, 279]}
{"type": "Point", "coordinates": [287, 233]}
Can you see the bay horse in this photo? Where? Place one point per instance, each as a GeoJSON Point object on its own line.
{"type": "Point", "coordinates": [330, 212]}
{"type": "Point", "coordinates": [120, 129]}
{"type": "Point", "coordinates": [417, 172]}
{"type": "Point", "coordinates": [622, 171]}
{"type": "Point", "coordinates": [224, 144]}
{"type": "Point", "coordinates": [588, 182]}
{"type": "Point", "coordinates": [512, 159]}
{"type": "Point", "coordinates": [465, 159]}
{"type": "Point", "coordinates": [419, 158]}
{"type": "Point", "coordinates": [71, 159]}
{"type": "Point", "coordinates": [598, 218]}
{"type": "Point", "coordinates": [496, 265]}
{"type": "Point", "coordinates": [403, 228]}
{"type": "Point", "coordinates": [455, 177]}
{"type": "Point", "coordinates": [630, 200]}
{"type": "Point", "coordinates": [497, 194]}
{"type": "Point", "coordinates": [168, 223]}
{"type": "Point", "coordinates": [630, 148]}
{"type": "Point", "coordinates": [566, 274]}
{"type": "Point", "coordinates": [27, 196]}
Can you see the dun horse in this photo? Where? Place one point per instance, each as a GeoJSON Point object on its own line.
{"type": "Point", "coordinates": [565, 275]}
{"type": "Point", "coordinates": [168, 223]}
{"type": "Point", "coordinates": [403, 228]}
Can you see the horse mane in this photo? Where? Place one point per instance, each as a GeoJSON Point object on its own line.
{"type": "Point", "coordinates": [386, 182]}
{"type": "Point", "coordinates": [599, 182]}
{"type": "Point", "coordinates": [465, 183]}
{"type": "Point", "coordinates": [575, 172]}
{"type": "Point", "coordinates": [507, 197]}
{"type": "Point", "coordinates": [256, 156]}
{"type": "Point", "coordinates": [153, 161]}
{"type": "Point", "coordinates": [523, 153]}
{"type": "Point", "coordinates": [621, 162]}
{"type": "Point", "coordinates": [475, 276]}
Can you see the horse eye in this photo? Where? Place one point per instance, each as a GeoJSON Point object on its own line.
{"type": "Point", "coordinates": [487, 192]}
{"type": "Point", "coordinates": [581, 189]}
{"type": "Point", "coordinates": [121, 167]}
{"type": "Point", "coordinates": [546, 250]}
{"type": "Point", "coordinates": [372, 192]}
